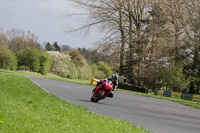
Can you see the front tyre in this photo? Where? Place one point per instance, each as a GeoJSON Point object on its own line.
{"type": "Point", "coordinates": [99, 96]}
{"type": "Point", "coordinates": [92, 99]}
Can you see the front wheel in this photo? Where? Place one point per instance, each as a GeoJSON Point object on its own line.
{"type": "Point", "coordinates": [99, 96]}
{"type": "Point", "coordinates": [92, 99]}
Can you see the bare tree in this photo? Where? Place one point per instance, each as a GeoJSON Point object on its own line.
{"type": "Point", "coordinates": [20, 39]}
{"type": "Point", "coordinates": [149, 35]}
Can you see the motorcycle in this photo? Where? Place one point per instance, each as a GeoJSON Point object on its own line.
{"type": "Point", "coordinates": [102, 91]}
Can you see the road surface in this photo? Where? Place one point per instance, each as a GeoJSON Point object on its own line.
{"type": "Point", "coordinates": [155, 115]}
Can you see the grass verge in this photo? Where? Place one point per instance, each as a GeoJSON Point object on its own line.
{"type": "Point", "coordinates": [27, 108]}
{"type": "Point", "coordinates": [175, 100]}
{"type": "Point", "coordinates": [49, 76]}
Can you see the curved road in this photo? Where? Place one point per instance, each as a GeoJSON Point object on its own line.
{"type": "Point", "coordinates": [156, 115]}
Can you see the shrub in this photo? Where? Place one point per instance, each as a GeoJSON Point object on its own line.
{"type": "Point", "coordinates": [34, 60]}
{"type": "Point", "coordinates": [174, 77]}
{"type": "Point", "coordinates": [24, 68]}
{"type": "Point", "coordinates": [7, 59]}
{"type": "Point", "coordinates": [45, 62]}
{"type": "Point", "coordinates": [62, 65]}
{"type": "Point", "coordinates": [29, 57]}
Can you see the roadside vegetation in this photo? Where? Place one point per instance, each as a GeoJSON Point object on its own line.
{"type": "Point", "coordinates": [19, 50]}
{"type": "Point", "coordinates": [27, 108]}
{"type": "Point", "coordinates": [48, 76]}
{"type": "Point", "coordinates": [188, 103]}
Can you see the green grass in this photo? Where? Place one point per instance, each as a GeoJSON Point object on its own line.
{"type": "Point", "coordinates": [24, 107]}
{"type": "Point", "coordinates": [50, 76]}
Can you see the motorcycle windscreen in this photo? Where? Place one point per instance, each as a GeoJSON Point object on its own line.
{"type": "Point", "coordinates": [109, 82]}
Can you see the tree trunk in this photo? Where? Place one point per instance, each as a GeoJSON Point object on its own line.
{"type": "Point", "coordinates": [122, 57]}
{"type": "Point", "coordinates": [130, 64]}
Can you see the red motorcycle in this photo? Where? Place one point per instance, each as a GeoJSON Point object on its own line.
{"type": "Point", "coordinates": [102, 91]}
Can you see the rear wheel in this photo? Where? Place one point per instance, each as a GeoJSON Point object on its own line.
{"type": "Point", "coordinates": [99, 96]}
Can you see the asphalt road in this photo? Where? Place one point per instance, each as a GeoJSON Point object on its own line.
{"type": "Point", "coordinates": [156, 115]}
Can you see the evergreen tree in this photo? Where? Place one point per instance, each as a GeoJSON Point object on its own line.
{"type": "Point", "coordinates": [66, 48]}
{"type": "Point", "coordinates": [56, 46]}
{"type": "Point", "coordinates": [48, 47]}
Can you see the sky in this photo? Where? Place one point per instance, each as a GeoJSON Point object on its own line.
{"type": "Point", "coordinates": [48, 20]}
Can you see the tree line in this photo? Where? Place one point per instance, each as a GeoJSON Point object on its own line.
{"type": "Point", "coordinates": [157, 40]}
{"type": "Point", "coordinates": [19, 50]}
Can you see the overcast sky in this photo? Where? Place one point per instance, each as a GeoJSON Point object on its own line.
{"type": "Point", "coordinates": [46, 19]}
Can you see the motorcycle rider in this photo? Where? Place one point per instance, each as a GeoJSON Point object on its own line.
{"type": "Point", "coordinates": [113, 79]}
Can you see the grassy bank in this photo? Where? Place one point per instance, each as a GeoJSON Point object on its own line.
{"type": "Point", "coordinates": [27, 108]}
{"type": "Point", "coordinates": [175, 100]}
{"type": "Point", "coordinates": [48, 76]}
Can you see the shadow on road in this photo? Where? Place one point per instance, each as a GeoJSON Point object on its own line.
{"type": "Point", "coordinates": [93, 102]}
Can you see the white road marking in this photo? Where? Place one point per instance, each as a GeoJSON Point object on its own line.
{"type": "Point", "coordinates": [38, 85]}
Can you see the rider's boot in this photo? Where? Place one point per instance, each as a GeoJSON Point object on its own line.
{"type": "Point", "coordinates": [111, 94]}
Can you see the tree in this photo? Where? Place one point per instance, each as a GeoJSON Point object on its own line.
{"type": "Point", "coordinates": [109, 16]}
{"type": "Point", "coordinates": [3, 40]}
{"type": "Point", "coordinates": [56, 46]}
{"type": "Point", "coordinates": [20, 39]}
{"type": "Point", "coordinates": [192, 30]}
{"type": "Point", "coordinates": [48, 47]}
{"type": "Point", "coordinates": [77, 58]}
{"type": "Point", "coordinates": [66, 48]}
{"type": "Point", "coordinates": [175, 78]}
{"type": "Point", "coordinates": [148, 35]}
{"type": "Point", "coordinates": [84, 52]}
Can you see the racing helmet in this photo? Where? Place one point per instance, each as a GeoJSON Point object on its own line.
{"type": "Point", "coordinates": [114, 77]}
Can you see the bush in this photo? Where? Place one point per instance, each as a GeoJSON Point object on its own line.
{"type": "Point", "coordinates": [34, 60]}
{"type": "Point", "coordinates": [45, 62]}
{"type": "Point", "coordinates": [62, 65]}
{"type": "Point", "coordinates": [7, 59]}
{"type": "Point", "coordinates": [174, 77]}
{"type": "Point", "coordinates": [24, 68]}
{"type": "Point", "coordinates": [29, 57]}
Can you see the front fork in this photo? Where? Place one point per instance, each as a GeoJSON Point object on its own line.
{"type": "Point", "coordinates": [92, 98]}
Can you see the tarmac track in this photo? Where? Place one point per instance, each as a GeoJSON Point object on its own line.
{"type": "Point", "coordinates": [156, 115]}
